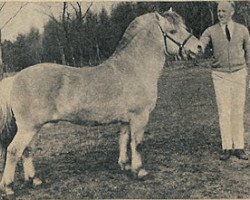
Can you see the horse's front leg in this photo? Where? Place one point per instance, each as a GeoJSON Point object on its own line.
{"type": "Point", "coordinates": [29, 169]}
{"type": "Point", "coordinates": [14, 153]}
{"type": "Point", "coordinates": [123, 145]}
{"type": "Point", "coordinates": [138, 124]}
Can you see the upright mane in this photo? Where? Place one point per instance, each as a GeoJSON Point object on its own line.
{"type": "Point", "coordinates": [139, 23]}
{"type": "Point", "coordinates": [143, 22]}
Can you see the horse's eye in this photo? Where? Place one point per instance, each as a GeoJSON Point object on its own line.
{"type": "Point", "coordinates": [173, 31]}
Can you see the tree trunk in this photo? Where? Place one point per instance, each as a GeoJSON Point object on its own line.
{"type": "Point", "coordinates": [61, 52]}
{"type": "Point", "coordinates": [98, 58]}
{"type": "Point", "coordinates": [210, 8]}
{"type": "Point", "coordinates": [81, 58]}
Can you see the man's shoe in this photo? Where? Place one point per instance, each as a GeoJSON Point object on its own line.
{"type": "Point", "coordinates": [225, 155]}
{"type": "Point", "coordinates": [240, 153]}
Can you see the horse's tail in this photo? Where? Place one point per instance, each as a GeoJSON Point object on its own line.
{"type": "Point", "coordinates": [8, 127]}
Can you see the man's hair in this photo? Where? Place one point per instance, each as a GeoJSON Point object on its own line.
{"type": "Point", "coordinates": [232, 3]}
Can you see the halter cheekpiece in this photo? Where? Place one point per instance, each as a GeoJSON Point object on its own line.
{"type": "Point", "coordinates": [180, 45]}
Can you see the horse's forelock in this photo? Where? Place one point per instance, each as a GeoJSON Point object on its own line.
{"type": "Point", "coordinates": [174, 19]}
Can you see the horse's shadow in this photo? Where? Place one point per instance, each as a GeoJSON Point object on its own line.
{"type": "Point", "coordinates": [73, 165]}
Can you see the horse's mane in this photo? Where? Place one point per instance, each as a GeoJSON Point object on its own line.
{"type": "Point", "coordinates": [133, 29]}
{"type": "Point", "coordinates": [139, 23]}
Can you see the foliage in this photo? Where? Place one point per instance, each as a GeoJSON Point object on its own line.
{"type": "Point", "coordinates": [242, 14]}
{"type": "Point", "coordinates": [50, 42]}
{"type": "Point", "coordinates": [23, 52]}
{"type": "Point", "coordinates": [104, 34]}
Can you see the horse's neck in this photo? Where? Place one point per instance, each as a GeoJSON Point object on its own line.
{"type": "Point", "coordinates": [145, 55]}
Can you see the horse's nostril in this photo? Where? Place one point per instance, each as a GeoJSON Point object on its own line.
{"type": "Point", "coordinates": [199, 48]}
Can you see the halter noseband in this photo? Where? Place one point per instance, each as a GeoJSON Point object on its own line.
{"type": "Point", "coordinates": [180, 45]}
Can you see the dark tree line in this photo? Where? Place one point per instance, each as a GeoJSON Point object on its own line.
{"type": "Point", "coordinates": [87, 38]}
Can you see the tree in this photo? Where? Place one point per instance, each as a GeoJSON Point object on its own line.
{"type": "Point", "coordinates": [242, 14]}
{"type": "Point", "coordinates": [91, 38]}
{"type": "Point", "coordinates": [51, 42]}
{"type": "Point", "coordinates": [68, 29]}
{"type": "Point", "coordinates": [120, 18]}
{"type": "Point", "coordinates": [8, 53]}
{"type": "Point", "coordinates": [104, 34]}
{"type": "Point", "coordinates": [4, 25]}
{"type": "Point", "coordinates": [24, 52]}
{"type": "Point", "coordinates": [78, 35]}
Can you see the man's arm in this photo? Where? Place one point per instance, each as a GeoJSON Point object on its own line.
{"type": "Point", "coordinates": [205, 39]}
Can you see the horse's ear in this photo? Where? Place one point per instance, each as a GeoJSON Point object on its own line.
{"type": "Point", "coordinates": [157, 15]}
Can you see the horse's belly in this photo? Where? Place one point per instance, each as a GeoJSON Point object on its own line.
{"type": "Point", "coordinates": [102, 113]}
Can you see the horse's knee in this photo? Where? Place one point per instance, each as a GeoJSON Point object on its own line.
{"type": "Point", "coordinates": [124, 131]}
{"type": "Point", "coordinates": [139, 147]}
{"type": "Point", "coordinates": [27, 152]}
{"type": "Point", "coordinates": [13, 153]}
{"type": "Point", "coordinates": [138, 137]}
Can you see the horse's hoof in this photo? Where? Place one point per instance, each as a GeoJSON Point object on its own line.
{"type": "Point", "coordinates": [37, 182]}
{"type": "Point", "coordinates": [140, 174]}
{"type": "Point", "coordinates": [125, 166]}
{"type": "Point", "coordinates": [32, 183]}
{"type": "Point", "coordinates": [8, 194]}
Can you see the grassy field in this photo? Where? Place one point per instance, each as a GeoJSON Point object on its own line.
{"type": "Point", "coordinates": [181, 151]}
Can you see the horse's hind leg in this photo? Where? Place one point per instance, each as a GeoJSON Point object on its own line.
{"type": "Point", "coordinates": [14, 153]}
{"type": "Point", "coordinates": [138, 124]}
{"type": "Point", "coordinates": [123, 144]}
{"type": "Point", "coordinates": [28, 167]}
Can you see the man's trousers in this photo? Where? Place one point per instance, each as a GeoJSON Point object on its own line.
{"type": "Point", "coordinates": [230, 91]}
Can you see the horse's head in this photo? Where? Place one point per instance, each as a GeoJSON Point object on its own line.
{"type": "Point", "coordinates": [177, 40]}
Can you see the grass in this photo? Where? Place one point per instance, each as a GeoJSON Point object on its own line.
{"type": "Point", "coordinates": [181, 150]}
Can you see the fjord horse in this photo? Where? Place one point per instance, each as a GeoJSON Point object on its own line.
{"type": "Point", "coordinates": [121, 89]}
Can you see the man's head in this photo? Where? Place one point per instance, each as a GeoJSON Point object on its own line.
{"type": "Point", "coordinates": [225, 11]}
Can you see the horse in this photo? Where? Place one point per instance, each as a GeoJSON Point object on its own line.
{"type": "Point", "coordinates": [122, 90]}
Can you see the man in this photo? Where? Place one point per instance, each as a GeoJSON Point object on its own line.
{"type": "Point", "coordinates": [231, 53]}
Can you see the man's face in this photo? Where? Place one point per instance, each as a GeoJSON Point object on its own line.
{"type": "Point", "coordinates": [225, 12]}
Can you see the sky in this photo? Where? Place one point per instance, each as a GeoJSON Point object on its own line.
{"type": "Point", "coordinates": [35, 14]}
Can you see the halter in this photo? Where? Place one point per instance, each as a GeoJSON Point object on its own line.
{"type": "Point", "coordinates": [180, 45]}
